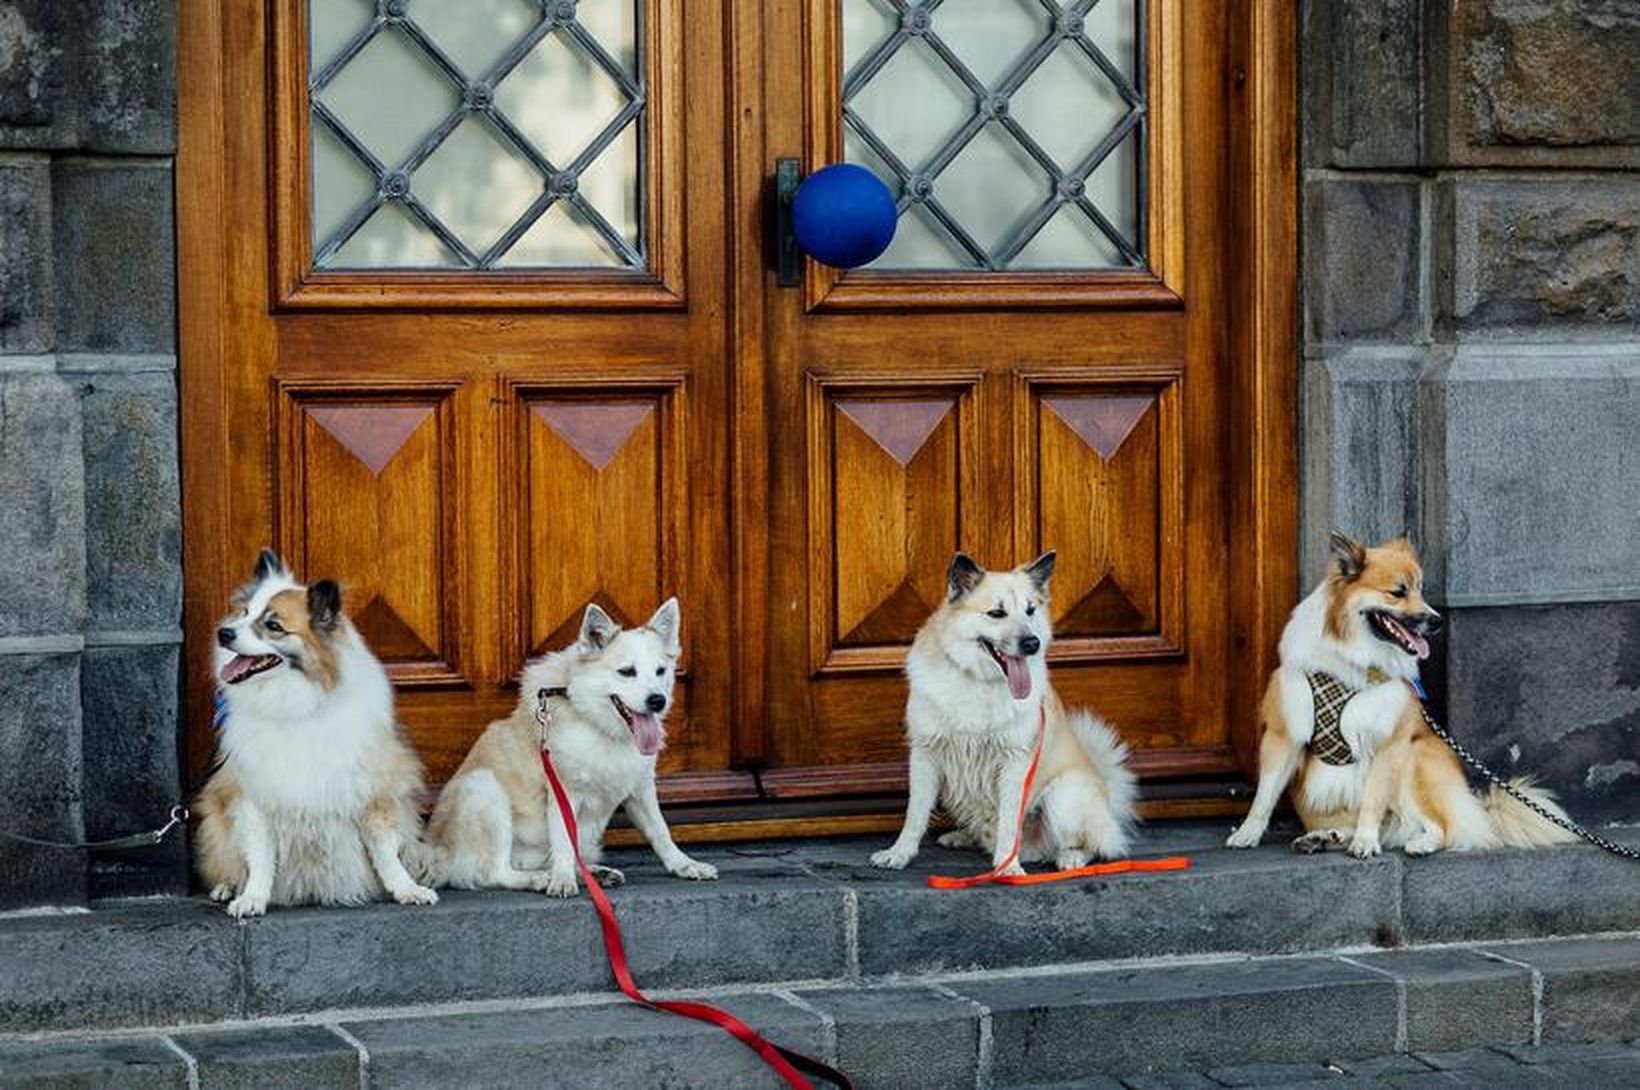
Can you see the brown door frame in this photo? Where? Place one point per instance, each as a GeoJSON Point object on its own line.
{"type": "Point", "coordinates": [1261, 342]}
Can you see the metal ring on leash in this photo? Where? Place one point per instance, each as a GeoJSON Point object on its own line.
{"type": "Point", "coordinates": [177, 815]}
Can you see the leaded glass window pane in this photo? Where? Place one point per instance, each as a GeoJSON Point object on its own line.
{"type": "Point", "coordinates": [476, 134]}
{"type": "Point", "coordinates": [1013, 130]}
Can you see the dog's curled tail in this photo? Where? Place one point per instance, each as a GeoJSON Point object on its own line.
{"type": "Point", "coordinates": [1516, 825]}
{"type": "Point", "coordinates": [1110, 756]}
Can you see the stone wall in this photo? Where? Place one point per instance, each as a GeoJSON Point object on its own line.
{"type": "Point", "coordinates": [1471, 369]}
{"type": "Point", "coordinates": [90, 537]}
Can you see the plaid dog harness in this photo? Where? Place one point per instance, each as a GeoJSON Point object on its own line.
{"type": "Point", "coordinates": [1331, 696]}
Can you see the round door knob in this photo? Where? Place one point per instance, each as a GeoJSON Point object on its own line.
{"type": "Point", "coordinates": [843, 216]}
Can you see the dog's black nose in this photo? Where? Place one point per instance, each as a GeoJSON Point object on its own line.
{"type": "Point", "coordinates": [1029, 645]}
{"type": "Point", "coordinates": [224, 636]}
{"type": "Point", "coordinates": [1431, 623]}
{"type": "Point", "coordinates": [656, 702]}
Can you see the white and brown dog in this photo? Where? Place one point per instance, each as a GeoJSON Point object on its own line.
{"type": "Point", "coordinates": [314, 797]}
{"type": "Point", "coordinates": [599, 706]}
{"type": "Point", "coordinates": [979, 696]}
{"type": "Point", "coordinates": [1341, 722]}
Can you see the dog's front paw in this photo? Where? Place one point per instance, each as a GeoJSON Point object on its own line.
{"type": "Point", "coordinates": [560, 884]}
{"type": "Point", "coordinates": [1364, 846]}
{"type": "Point", "coordinates": [1246, 836]}
{"type": "Point", "coordinates": [1317, 840]}
{"type": "Point", "coordinates": [608, 877]}
{"type": "Point", "coordinates": [247, 904]}
{"type": "Point", "coordinates": [1424, 844]}
{"type": "Point", "coordinates": [695, 871]}
{"type": "Point", "coordinates": [415, 895]}
{"type": "Point", "coordinates": [958, 838]}
{"type": "Point", "coordinates": [894, 858]}
{"type": "Point", "coordinates": [222, 892]}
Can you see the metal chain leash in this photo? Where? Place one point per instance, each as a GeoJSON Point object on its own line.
{"type": "Point", "coordinates": [1520, 796]}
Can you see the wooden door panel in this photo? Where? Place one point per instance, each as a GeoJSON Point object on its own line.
{"type": "Point", "coordinates": [367, 482]}
{"type": "Point", "coordinates": [892, 472]}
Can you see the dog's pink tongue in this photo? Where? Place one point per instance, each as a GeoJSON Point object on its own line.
{"type": "Point", "coordinates": [1019, 676]}
{"type": "Point", "coordinates": [1421, 644]}
{"type": "Point", "coordinates": [236, 667]}
{"type": "Point", "coordinates": [647, 732]}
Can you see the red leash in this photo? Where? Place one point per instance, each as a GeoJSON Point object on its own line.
{"type": "Point", "coordinates": [788, 1064]}
{"type": "Point", "coordinates": [1119, 866]}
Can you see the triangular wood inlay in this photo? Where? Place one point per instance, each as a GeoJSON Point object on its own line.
{"type": "Point", "coordinates": [568, 630]}
{"type": "Point", "coordinates": [389, 635]}
{"type": "Point", "coordinates": [1105, 610]}
{"type": "Point", "coordinates": [597, 430]}
{"type": "Point", "coordinates": [371, 433]}
{"type": "Point", "coordinates": [895, 620]}
{"type": "Point", "coordinates": [1104, 423]}
{"type": "Point", "coordinates": [899, 427]}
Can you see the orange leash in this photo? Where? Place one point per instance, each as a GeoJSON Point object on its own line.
{"type": "Point", "coordinates": [1093, 870]}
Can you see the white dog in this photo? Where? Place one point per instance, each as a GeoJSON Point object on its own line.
{"type": "Point", "coordinates": [979, 696]}
{"type": "Point", "coordinates": [598, 707]}
{"type": "Point", "coordinates": [314, 799]}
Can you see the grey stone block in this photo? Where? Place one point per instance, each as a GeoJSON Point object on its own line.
{"type": "Point", "coordinates": [1457, 998]}
{"type": "Point", "coordinates": [29, 69]}
{"type": "Point", "coordinates": [272, 1058]}
{"type": "Point", "coordinates": [125, 75]}
{"type": "Point", "coordinates": [902, 1038]}
{"type": "Point", "coordinates": [1560, 1054]}
{"type": "Point", "coordinates": [1362, 101]}
{"type": "Point", "coordinates": [115, 256]}
{"type": "Point", "coordinates": [1532, 493]}
{"type": "Point", "coordinates": [1591, 987]}
{"type": "Point", "coordinates": [1170, 1080]}
{"type": "Point", "coordinates": [1197, 1016]}
{"type": "Point", "coordinates": [26, 302]}
{"type": "Point", "coordinates": [1363, 263]}
{"type": "Point", "coordinates": [488, 945]}
{"type": "Point", "coordinates": [133, 501]}
{"type": "Point", "coordinates": [1381, 1066]}
{"type": "Point", "coordinates": [143, 963]}
{"type": "Point", "coordinates": [1476, 896]}
{"type": "Point", "coordinates": [40, 779]}
{"type": "Point", "coordinates": [1545, 83]}
{"type": "Point", "coordinates": [1362, 450]}
{"type": "Point", "coordinates": [42, 507]}
{"type": "Point", "coordinates": [1480, 1060]}
{"type": "Point", "coordinates": [1538, 253]}
{"type": "Point", "coordinates": [1554, 692]}
{"type": "Point", "coordinates": [137, 1063]}
{"type": "Point", "coordinates": [1257, 902]}
{"type": "Point", "coordinates": [129, 701]}
{"type": "Point", "coordinates": [1271, 1074]}
{"type": "Point", "coordinates": [602, 1047]}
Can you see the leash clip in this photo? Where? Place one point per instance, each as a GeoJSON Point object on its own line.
{"type": "Point", "coordinates": [543, 715]}
{"type": "Point", "coordinates": [177, 816]}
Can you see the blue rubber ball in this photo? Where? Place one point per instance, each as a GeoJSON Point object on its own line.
{"type": "Point", "coordinates": [843, 215]}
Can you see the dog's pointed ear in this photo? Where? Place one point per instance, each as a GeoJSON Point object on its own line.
{"type": "Point", "coordinates": [324, 605]}
{"type": "Point", "coordinates": [597, 628]}
{"type": "Point", "coordinates": [268, 565]}
{"type": "Point", "coordinates": [962, 576]}
{"type": "Point", "coordinates": [1041, 570]}
{"type": "Point", "coordinates": [1349, 556]}
{"type": "Point", "coordinates": [665, 624]}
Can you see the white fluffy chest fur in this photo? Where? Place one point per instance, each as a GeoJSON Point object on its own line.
{"type": "Point", "coordinates": [599, 773]}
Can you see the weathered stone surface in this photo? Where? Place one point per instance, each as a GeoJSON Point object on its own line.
{"type": "Point", "coordinates": [42, 507]}
{"type": "Point", "coordinates": [905, 1037]}
{"type": "Point", "coordinates": [133, 501]}
{"type": "Point", "coordinates": [1528, 707]}
{"type": "Point", "coordinates": [272, 1058]}
{"type": "Point", "coordinates": [1454, 896]}
{"type": "Point", "coordinates": [1362, 76]}
{"type": "Point", "coordinates": [1548, 74]}
{"type": "Point", "coordinates": [129, 752]}
{"type": "Point", "coordinates": [141, 963]}
{"type": "Point", "coordinates": [115, 256]}
{"type": "Point", "coordinates": [1591, 987]}
{"type": "Point", "coordinates": [30, 71]}
{"type": "Point", "coordinates": [601, 1047]}
{"type": "Point", "coordinates": [137, 1063]}
{"type": "Point", "coordinates": [26, 311]}
{"type": "Point", "coordinates": [497, 944]}
{"type": "Point", "coordinates": [39, 781]}
{"type": "Point", "coordinates": [1363, 266]}
{"type": "Point", "coordinates": [1540, 254]}
{"type": "Point", "coordinates": [1532, 488]}
{"type": "Point", "coordinates": [1195, 1016]}
{"type": "Point", "coordinates": [1458, 998]}
{"type": "Point", "coordinates": [1362, 451]}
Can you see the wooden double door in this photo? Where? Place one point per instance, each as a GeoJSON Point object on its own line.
{"type": "Point", "coordinates": [483, 316]}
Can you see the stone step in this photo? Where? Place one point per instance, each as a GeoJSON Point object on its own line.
{"type": "Point", "coordinates": [806, 911]}
{"type": "Point", "coordinates": [1232, 1018]}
